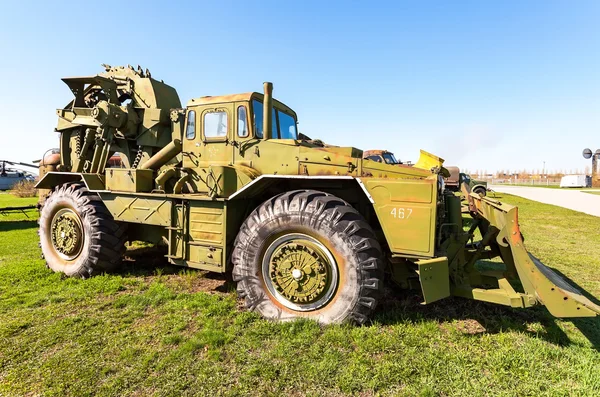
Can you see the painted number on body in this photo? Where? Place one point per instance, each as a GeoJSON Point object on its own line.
{"type": "Point", "coordinates": [401, 213]}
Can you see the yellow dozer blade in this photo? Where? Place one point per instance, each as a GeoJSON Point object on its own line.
{"type": "Point", "coordinates": [540, 283]}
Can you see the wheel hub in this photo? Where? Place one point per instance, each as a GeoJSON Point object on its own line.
{"type": "Point", "coordinates": [67, 233]}
{"type": "Point", "coordinates": [301, 273]}
{"type": "Point", "coordinates": [297, 274]}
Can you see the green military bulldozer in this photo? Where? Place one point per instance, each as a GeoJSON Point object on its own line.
{"type": "Point", "coordinates": [307, 230]}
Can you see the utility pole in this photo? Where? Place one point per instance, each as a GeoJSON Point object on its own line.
{"type": "Point", "coordinates": [544, 173]}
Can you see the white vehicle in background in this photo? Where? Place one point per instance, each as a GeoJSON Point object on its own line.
{"type": "Point", "coordinates": [574, 181]}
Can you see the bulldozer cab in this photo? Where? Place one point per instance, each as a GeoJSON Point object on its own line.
{"type": "Point", "coordinates": [229, 131]}
{"type": "Point", "coordinates": [220, 130]}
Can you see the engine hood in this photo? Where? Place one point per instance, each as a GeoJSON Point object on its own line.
{"type": "Point", "coordinates": [342, 151]}
{"type": "Point", "coordinates": [333, 160]}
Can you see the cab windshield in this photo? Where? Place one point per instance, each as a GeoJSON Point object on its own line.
{"type": "Point", "coordinates": [284, 125]}
{"type": "Point", "coordinates": [389, 158]}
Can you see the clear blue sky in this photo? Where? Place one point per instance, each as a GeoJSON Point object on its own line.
{"type": "Point", "coordinates": [516, 82]}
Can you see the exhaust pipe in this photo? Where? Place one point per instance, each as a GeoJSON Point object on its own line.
{"type": "Point", "coordinates": [268, 111]}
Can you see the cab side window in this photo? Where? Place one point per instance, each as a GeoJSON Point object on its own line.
{"type": "Point", "coordinates": [215, 124]}
{"type": "Point", "coordinates": [257, 108]}
{"type": "Point", "coordinates": [375, 158]}
{"type": "Point", "coordinates": [190, 127]}
{"type": "Point", "coordinates": [287, 126]}
{"type": "Point", "coordinates": [242, 122]}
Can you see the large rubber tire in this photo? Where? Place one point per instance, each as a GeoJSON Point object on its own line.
{"type": "Point", "coordinates": [329, 222]}
{"type": "Point", "coordinates": [480, 191]}
{"type": "Point", "coordinates": [100, 242]}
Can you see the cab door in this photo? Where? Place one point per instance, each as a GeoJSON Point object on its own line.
{"type": "Point", "coordinates": [191, 140]}
{"type": "Point", "coordinates": [208, 146]}
{"type": "Point", "coordinates": [243, 136]}
{"type": "Point", "coordinates": [216, 146]}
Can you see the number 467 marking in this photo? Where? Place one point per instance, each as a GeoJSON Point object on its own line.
{"type": "Point", "coordinates": [401, 213]}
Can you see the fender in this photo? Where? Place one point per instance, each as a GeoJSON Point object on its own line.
{"type": "Point", "coordinates": [405, 208]}
{"type": "Point", "coordinates": [265, 180]}
{"type": "Point", "coordinates": [479, 186]}
{"type": "Point", "coordinates": [94, 182]}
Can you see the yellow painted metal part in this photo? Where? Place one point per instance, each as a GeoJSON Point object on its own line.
{"type": "Point", "coordinates": [427, 161]}
{"type": "Point", "coordinates": [539, 281]}
{"type": "Point", "coordinates": [406, 209]}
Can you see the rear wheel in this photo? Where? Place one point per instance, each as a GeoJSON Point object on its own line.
{"type": "Point", "coordinates": [480, 191]}
{"type": "Point", "coordinates": [308, 254]}
{"type": "Point", "coordinates": [78, 235]}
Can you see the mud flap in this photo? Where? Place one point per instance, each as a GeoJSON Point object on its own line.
{"type": "Point", "coordinates": [539, 281]}
{"type": "Point", "coordinates": [434, 277]}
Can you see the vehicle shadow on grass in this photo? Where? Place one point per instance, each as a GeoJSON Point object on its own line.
{"type": "Point", "coordinates": [151, 262]}
{"type": "Point", "coordinates": [146, 261]}
{"type": "Point", "coordinates": [477, 318]}
{"type": "Point", "coordinates": [7, 226]}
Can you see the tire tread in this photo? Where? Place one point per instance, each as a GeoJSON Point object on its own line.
{"type": "Point", "coordinates": [319, 207]}
{"type": "Point", "coordinates": [108, 236]}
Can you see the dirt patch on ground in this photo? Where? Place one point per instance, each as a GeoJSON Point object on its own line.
{"type": "Point", "coordinates": [470, 327]}
{"type": "Point", "coordinates": [150, 264]}
{"type": "Point", "coordinates": [201, 281]}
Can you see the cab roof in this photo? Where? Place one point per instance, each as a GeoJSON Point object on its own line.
{"type": "Point", "coordinates": [244, 97]}
{"type": "Point", "coordinates": [375, 152]}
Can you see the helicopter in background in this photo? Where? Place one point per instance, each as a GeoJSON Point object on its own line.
{"type": "Point", "coordinates": [11, 176]}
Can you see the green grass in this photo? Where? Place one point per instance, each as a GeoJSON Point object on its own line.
{"type": "Point", "coordinates": [8, 200]}
{"type": "Point", "coordinates": [165, 331]}
{"type": "Point", "coordinates": [596, 192]}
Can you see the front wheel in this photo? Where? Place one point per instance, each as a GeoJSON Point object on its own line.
{"type": "Point", "coordinates": [308, 254]}
{"type": "Point", "coordinates": [78, 235]}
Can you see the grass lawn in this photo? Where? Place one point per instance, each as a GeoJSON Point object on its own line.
{"type": "Point", "coordinates": [156, 330]}
{"type": "Point", "coordinates": [8, 200]}
{"type": "Point", "coordinates": [596, 192]}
